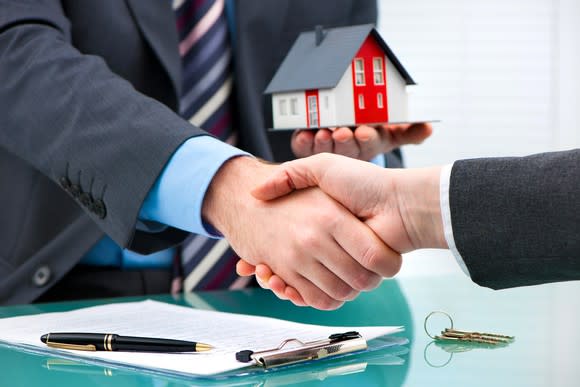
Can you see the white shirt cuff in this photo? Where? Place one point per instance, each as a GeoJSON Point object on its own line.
{"type": "Point", "coordinates": [444, 182]}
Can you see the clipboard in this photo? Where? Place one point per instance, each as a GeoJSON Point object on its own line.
{"type": "Point", "coordinates": [323, 371]}
{"type": "Point", "coordinates": [292, 351]}
{"type": "Point", "coordinates": [215, 327]}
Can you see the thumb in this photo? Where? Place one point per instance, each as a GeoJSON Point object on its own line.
{"type": "Point", "coordinates": [290, 176]}
{"type": "Point", "coordinates": [244, 268]}
{"type": "Point", "coordinates": [279, 184]}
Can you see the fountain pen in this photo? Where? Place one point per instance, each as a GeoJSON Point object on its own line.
{"type": "Point", "coordinates": [113, 342]}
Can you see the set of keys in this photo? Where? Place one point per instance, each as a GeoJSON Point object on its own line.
{"type": "Point", "coordinates": [474, 337]}
{"type": "Point", "coordinates": [454, 335]}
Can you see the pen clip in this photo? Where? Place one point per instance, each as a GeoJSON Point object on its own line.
{"type": "Point", "coordinates": [78, 347]}
{"type": "Point", "coordinates": [88, 347]}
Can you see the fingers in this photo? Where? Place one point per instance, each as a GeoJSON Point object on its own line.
{"type": "Point", "coordinates": [331, 276]}
{"type": "Point", "coordinates": [323, 142]}
{"type": "Point", "coordinates": [297, 174]}
{"type": "Point", "coordinates": [276, 284]}
{"type": "Point", "coordinates": [360, 242]}
{"type": "Point", "coordinates": [302, 143]}
{"type": "Point", "coordinates": [345, 143]}
{"type": "Point", "coordinates": [328, 281]}
{"type": "Point", "coordinates": [313, 296]}
{"type": "Point", "coordinates": [397, 135]}
{"type": "Point", "coordinates": [277, 185]}
{"type": "Point", "coordinates": [244, 268]}
{"type": "Point", "coordinates": [319, 287]}
{"type": "Point", "coordinates": [345, 265]}
{"type": "Point", "coordinates": [341, 141]}
{"type": "Point", "coordinates": [294, 296]}
{"type": "Point", "coordinates": [369, 141]}
{"type": "Point", "coordinates": [417, 133]}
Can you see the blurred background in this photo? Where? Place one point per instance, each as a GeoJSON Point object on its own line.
{"type": "Point", "coordinates": [503, 76]}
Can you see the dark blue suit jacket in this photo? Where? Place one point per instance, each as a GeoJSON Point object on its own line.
{"type": "Point", "coordinates": [87, 117]}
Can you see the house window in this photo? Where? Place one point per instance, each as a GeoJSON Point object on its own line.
{"type": "Point", "coordinates": [359, 72]}
{"type": "Point", "coordinates": [361, 101]}
{"type": "Point", "coordinates": [380, 101]}
{"type": "Point", "coordinates": [294, 106]}
{"type": "Point", "coordinates": [378, 71]}
{"type": "Point", "coordinates": [282, 107]}
{"type": "Point", "coordinates": [313, 111]}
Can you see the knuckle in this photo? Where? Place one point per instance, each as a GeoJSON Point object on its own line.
{"type": "Point", "coordinates": [309, 239]}
{"type": "Point", "coordinates": [322, 301]}
{"type": "Point", "coordinates": [341, 291]}
{"type": "Point", "coordinates": [328, 303]}
{"type": "Point", "coordinates": [371, 258]}
{"type": "Point", "coordinates": [366, 280]}
{"type": "Point", "coordinates": [381, 260]}
{"type": "Point", "coordinates": [395, 265]}
{"type": "Point", "coordinates": [352, 295]}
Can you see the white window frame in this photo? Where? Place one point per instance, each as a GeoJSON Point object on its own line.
{"type": "Point", "coordinates": [282, 108]}
{"type": "Point", "coordinates": [294, 106]}
{"type": "Point", "coordinates": [361, 101]}
{"type": "Point", "coordinates": [359, 72]}
{"type": "Point", "coordinates": [313, 111]}
{"type": "Point", "coordinates": [378, 71]}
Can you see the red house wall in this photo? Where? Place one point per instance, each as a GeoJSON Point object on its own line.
{"type": "Point", "coordinates": [371, 113]}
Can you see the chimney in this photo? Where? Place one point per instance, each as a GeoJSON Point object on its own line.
{"type": "Point", "coordinates": [319, 34]}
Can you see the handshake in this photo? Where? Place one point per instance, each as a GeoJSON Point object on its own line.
{"type": "Point", "coordinates": [319, 230]}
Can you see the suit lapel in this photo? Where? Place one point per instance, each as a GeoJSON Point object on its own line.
{"type": "Point", "coordinates": [156, 21]}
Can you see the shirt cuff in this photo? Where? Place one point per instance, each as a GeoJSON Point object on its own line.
{"type": "Point", "coordinates": [444, 182]}
{"type": "Point", "coordinates": [176, 199]}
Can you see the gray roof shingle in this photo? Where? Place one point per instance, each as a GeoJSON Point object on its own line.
{"type": "Point", "coordinates": [308, 66]}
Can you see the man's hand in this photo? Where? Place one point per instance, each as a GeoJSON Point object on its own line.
{"type": "Point", "coordinates": [401, 206]}
{"type": "Point", "coordinates": [310, 240]}
{"type": "Point", "coordinates": [364, 143]}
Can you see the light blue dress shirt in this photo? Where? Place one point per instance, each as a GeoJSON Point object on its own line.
{"type": "Point", "coordinates": [176, 199]}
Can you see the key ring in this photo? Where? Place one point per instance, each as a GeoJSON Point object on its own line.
{"type": "Point", "coordinates": [429, 316]}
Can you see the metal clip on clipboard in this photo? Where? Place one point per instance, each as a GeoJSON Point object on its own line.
{"type": "Point", "coordinates": [335, 345]}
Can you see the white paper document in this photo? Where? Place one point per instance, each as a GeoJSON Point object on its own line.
{"type": "Point", "coordinates": [227, 332]}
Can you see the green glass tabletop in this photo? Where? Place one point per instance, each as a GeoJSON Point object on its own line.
{"type": "Point", "coordinates": [544, 320]}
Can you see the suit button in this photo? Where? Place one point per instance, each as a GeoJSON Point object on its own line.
{"type": "Point", "coordinates": [86, 199]}
{"type": "Point", "coordinates": [99, 209]}
{"type": "Point", "coordinates": [41, 276]}
{"type": "Point", "coordinates": [75, 190]}
{"type": "Point", "coordinates": [65, 183]}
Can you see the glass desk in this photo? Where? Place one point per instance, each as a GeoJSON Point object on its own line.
{"type": "Point", "coordinates": [544, 319]}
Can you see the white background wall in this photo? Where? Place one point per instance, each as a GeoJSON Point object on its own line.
{"type": "Point", "coordinates": [503, 78]}
{"type": "Point", "coordinates": [501, 75]}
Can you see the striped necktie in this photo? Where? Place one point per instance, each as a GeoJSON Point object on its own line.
{"type": "Point", "coordinates": [205, 102]}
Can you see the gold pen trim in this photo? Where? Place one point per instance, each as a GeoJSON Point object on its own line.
{"type": "Point", "coordinates": [89, 347]}
{"type": "Point", "coordinates": [78, 347]}
{"type": "Point", "coordinates": [107, 342]}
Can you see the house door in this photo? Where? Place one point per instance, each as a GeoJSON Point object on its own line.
{"type": "Point", "coordinates": [313, 111]}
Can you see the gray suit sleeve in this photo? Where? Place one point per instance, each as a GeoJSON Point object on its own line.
{"type": "Point", "coordinates": [70, 117]}
{"type": "Point", "coordinates": [516, 221]}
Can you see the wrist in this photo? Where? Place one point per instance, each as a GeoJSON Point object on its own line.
{"type": "Point", "coordinates": [418, 197]}
{"type": "Point", "coordinates": [230, 189]}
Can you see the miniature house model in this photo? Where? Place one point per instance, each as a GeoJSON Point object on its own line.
{"type": "Point", "coordinates": [339, 77]}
